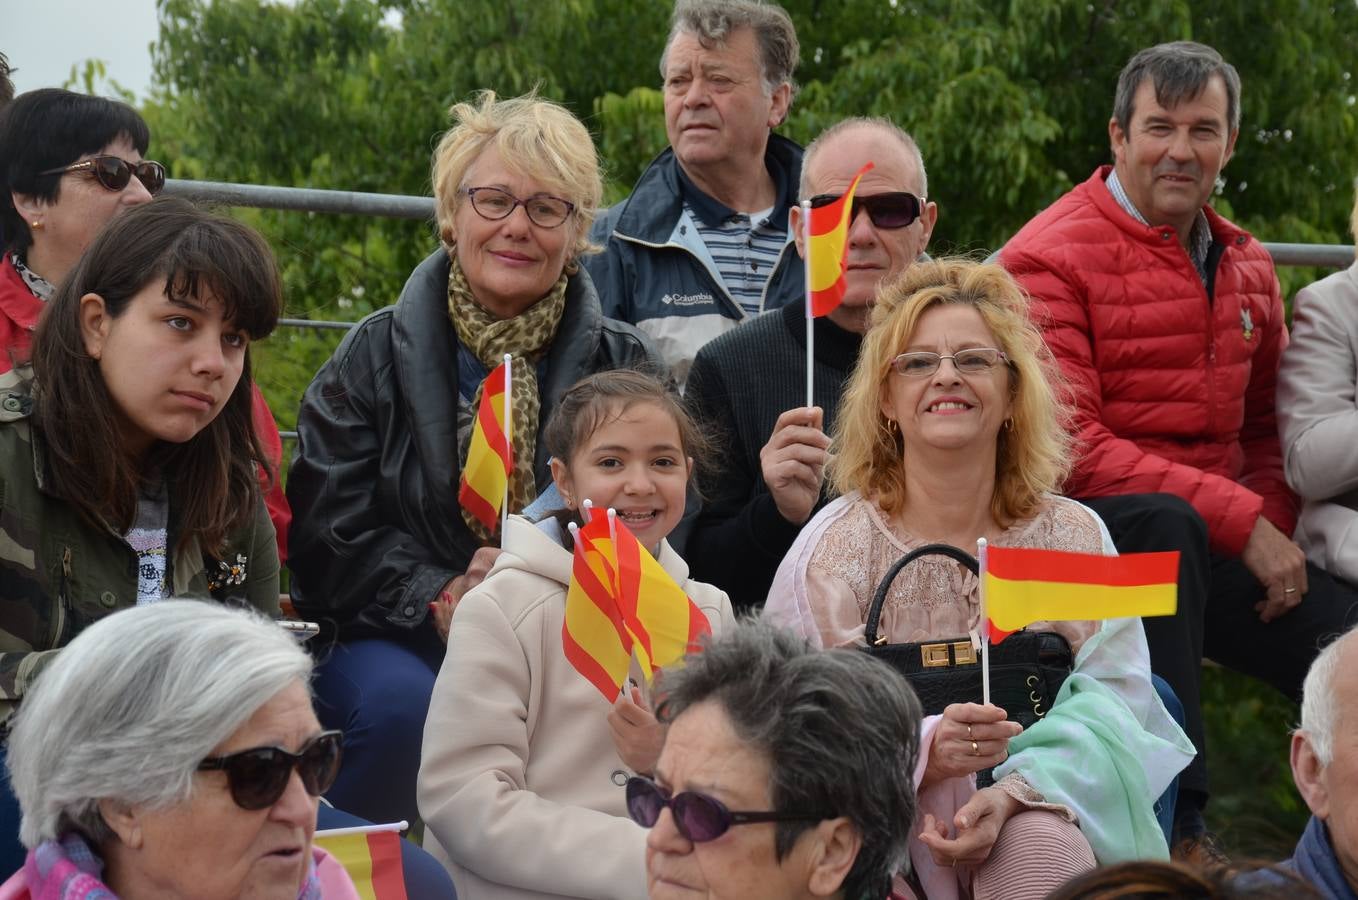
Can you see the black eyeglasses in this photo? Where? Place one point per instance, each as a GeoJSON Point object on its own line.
{"type": "Point", "coordinates": [543, 210]}
{"type": "Point", "coordinates": [259, 776]}
{"type": "Point", "coordinates": [114, 173]}
{"type": "Point", "coordinates": [896, 209]}
{"type": "Point", "coordinates": [922, 363]}
{"type": "Point", "coordinates": [698, 817]}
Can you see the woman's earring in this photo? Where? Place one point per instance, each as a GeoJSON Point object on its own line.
{"type": "Point", "coordinates": [1009, 424]}
{"type": "Point", "coordinates": [37, 225]}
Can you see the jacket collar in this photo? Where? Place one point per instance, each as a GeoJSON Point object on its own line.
{"type": "Point", "coordinates": [424, 347]}
{"type": "Point", "coordinates": [1097, 193]}
{"type": "Point", "coordinates": [1316, 863]}
{"type": "Point", "coordinates": [652, 211]}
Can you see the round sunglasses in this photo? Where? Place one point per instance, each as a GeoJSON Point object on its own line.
{"type": "Point", "coordinates": [895, 209]}
{"type": "Point", "coordinates": [697, 817]}
{"type": "Point", "coordinates": [114, 172]}
{"type": "Point", "coordinates": [259, 776]}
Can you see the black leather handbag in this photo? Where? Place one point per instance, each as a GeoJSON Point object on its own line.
{"type": "Point", "coordinates": [1026, 670]}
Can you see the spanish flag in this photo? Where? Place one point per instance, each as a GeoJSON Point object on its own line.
{"type": "Point", "coordinates": [663, 622]}
{"type": "Point", "coordinates": [1023, 586]}
{"type": "Point", "coordinates": [485, 477]}
{"type": "Point", "coordinates": [593, 635]}
{"type": "Point", "coordinates": [372, 859]}
{"type": "Point", "coordinates": [827, 234]}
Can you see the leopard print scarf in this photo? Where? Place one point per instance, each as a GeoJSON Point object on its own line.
{"type": "Point", "coordinates": [526, 338]}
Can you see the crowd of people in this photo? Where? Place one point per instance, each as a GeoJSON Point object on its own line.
{"type": "Point", "coordinates": [1119, 378]}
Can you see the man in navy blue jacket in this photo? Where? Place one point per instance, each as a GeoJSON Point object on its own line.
{"type": "Point", "coordinates": [703, 241]}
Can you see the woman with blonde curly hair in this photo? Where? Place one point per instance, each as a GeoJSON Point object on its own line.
{"type": "Point", "coordinates": [382, 550]}
{"type": "Point", "coordinates": [952, 429]}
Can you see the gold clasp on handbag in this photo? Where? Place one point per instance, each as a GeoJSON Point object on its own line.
{"type": "Point", "coordinates": [934, 656]}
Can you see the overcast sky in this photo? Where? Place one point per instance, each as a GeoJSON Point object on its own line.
{"type": "Point", "coordinates": [44, 38]}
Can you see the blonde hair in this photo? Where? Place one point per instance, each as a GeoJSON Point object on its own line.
{"type": "Point", "coordinates": [536, 139]}
{"type": "Point", "coordinates": [1033, 455]}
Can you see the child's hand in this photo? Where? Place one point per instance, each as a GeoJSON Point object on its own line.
{"type": "Point", "coordinates": [636, 732]}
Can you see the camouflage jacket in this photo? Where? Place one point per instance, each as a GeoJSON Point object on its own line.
{"type": "Point", "coordinates": [58, 574]}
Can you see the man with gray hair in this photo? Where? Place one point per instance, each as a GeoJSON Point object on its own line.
{"type": "Point", "coordinates": [1167, 322]}
{"type": "Point", "coordinates": [749, 386]}
{"type": "Point", "coordinates": [758, 726]}
{"type": "Point", "coordinates": [703, 241]}
{"type": "Point", "coordinates": [1325, 769]}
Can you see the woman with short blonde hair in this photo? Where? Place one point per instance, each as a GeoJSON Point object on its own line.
{"type": "Point", "coordinates": [383, 547]}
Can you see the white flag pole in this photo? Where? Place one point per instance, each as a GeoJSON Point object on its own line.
{"type": "Point", "coordinates": [810, 319]}
{"type": "Point", "coordinates": [985, 625]}
{"type": "Point", "coordinates": [363, 829]}
{"type": "Point", "coordinates": [613, 527]}
{"type": "Point", "coordinates": [509, 441]}
{"type": "Point", "coordinates": [586, 510]}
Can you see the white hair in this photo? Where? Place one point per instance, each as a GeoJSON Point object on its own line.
{"type": "Point", "coordinates": [1318, 708]}
{"type": "Point", "coordinates": [129, 709]}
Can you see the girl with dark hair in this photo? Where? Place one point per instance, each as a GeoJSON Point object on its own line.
{"type": "Point", "coordinates": [522, 761]}
{"type": "Point", "coordinates": [128, 462]}
{"type": "Point", "coordinates": [69, 164]}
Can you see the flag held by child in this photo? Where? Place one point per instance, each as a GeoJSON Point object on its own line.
{"type": "Point", "coordinates": [664, 623]}
{"type": "Point", "coordinates": [827, 234]}
{"type": "Point", "coordinates": [595, 640]}
{"type": "Point", "coordinates": [485, 477]}
{"type": "Point", "coordinates": [1024, 585]}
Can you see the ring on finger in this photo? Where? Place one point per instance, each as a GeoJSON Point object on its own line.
{"type": "Point", "coordinates": [1289, 590]}
{"type": "Point", "coordinates": [970, 737]}
{"type": "Point", "coordinates": [975, 750]}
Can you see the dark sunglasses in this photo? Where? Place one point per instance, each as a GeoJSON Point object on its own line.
{"type": "Point", "coordinates": [259, 776]}
{"type": "Point", "coordinates": [896, 209]}
{"type": "Point", "coordinates": [698, 817]}
{"type": "Point", "coordinates": [114, 173]}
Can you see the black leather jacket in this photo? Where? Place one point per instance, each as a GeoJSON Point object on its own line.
{"type": "Point", "coordinates": [376, 530]}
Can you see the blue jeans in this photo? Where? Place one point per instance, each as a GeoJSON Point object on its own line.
{"type": "Point", "coordinates": [377, 692]}
{"type": "Point", "coordinates": [424, 875]}
{"type": "Point", "coordinates": [1164, 806]}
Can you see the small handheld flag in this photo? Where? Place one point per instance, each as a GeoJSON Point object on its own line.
{"type": "Point", "coordinates": [593, 636]}
{"type": "Point", "coordinates": [372, 858]}
{"type": "Point", "coordinates": [484, 491]}
{"type": "Point", "coordinates": [1023, 586]}
{"type": "Point", "coordinates": [664, 623]}
{"type": "Point", "coordinates": [827, 235]}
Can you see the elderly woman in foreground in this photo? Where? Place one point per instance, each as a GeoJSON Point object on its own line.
{"type": "Point", "coordinates": [951, 431]}
{"type": "Point", "coordinates": [382, 550]}
{"type": "Point", "coordinates": [756, 794]}
{"type": "Point", "coordinates": [171, 751]}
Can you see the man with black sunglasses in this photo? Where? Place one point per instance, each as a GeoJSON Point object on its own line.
{"type": "Point", "coordinates": [703, 243]}
{"type": "Point", "coordinates": [749, 385]}
{"type": "Point", "coordinates": [1168, 324]}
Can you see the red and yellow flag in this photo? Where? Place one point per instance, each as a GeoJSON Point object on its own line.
{"type": "Point", "coordinates": [664, 623]}
{"type": "Point", "coordinates": [1023, 586]}
{"type": "Point", "coordinates": [827, 236]}
{"type": "Point", "coordinates": [593, 635]}
{"type": "Point", "coordinates": [373, 861]}
{"type": "Point", "coordinates": [485, 477]}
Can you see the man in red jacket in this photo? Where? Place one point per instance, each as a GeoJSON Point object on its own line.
{"type": "Point", "coordinates": [1167, 321]}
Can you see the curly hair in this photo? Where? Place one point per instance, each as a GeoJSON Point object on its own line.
{"type": "Point", "coordinates": [1033, 455]}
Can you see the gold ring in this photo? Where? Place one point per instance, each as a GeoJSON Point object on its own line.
{"type": "Point", "coordinates": [1289, 590]}
{"type": "Point", "coordinates": [975, 750]}
{"type": "Point", "coordinates": [969, 735]}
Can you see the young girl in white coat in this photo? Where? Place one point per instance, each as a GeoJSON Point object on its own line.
{"type": "Point", "coordinates": [521, 775]}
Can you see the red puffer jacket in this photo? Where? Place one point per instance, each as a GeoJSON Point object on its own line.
{"type": "Point", "coordinates": [1173, 388]}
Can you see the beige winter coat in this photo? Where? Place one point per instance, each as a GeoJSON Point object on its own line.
{"type": "Point", "coordinates": [518, 782]}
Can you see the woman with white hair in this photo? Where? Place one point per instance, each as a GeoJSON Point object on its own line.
{"type": "Point", "coordinates": [171, 751]}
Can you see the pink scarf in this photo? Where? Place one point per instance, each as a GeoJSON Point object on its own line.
{"type": "Point", "coordinates": [68, 869]}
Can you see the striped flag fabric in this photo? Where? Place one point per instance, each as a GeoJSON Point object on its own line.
{"type": "Point", "coordinates": [485, 477]}
{"type": "Point", "coordinates": [1024, 585]}
{"type": "Point", "coordinates": [372, 859]}
{"type": "Point", "coordinates": [664, 623]}
{"type": "Point", "coordinates": [593, 635]}
{"type": "Point", "coordinates": [827, 234]}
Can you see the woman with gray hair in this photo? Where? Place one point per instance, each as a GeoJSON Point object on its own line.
{"type": "Point", "coordinates": [809, 756]}
{"type": "Point", "coordinates": [171, 751]}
